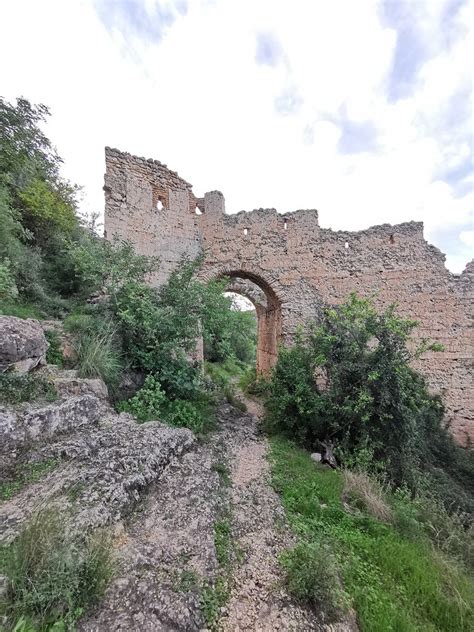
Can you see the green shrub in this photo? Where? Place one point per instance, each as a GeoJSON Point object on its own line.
{"type": "Point", "coordinates": [348, 377]}
{"type": "Point", "coordinates": [8, 288]}
{"type": "Point", "coordinates": [147, 404]}
{"type": "Point", "coordinates": [16, 388]}
{"type": "Point", "coordinates": [150, 403]}
{"type": "Point", "coordinates": [311, 577]}
{"type": "Point", "coordinates": [186, 414]}
{"type": "Point", "coordinates": [52, 578]}
{"type": "Point", "coordinates": [54, 354]}
{"type": "Point", "coordinates": [252, 384]}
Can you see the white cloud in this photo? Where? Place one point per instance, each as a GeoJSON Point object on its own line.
{"type": "Point", "coordinates": [197, 100]}
{"type": "Point", "coordinates": [467, 237]}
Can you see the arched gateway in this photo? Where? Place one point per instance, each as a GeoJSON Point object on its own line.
{"type": "Point", "coordinates": [294, 267]}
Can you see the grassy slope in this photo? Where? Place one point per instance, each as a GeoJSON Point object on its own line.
{"type": "Point", "coordinates": [393, 583]}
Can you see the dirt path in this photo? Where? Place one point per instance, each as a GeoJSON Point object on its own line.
{"type": "Point", "coordinates": [167, 551]}
{"type": "Point", "coordinates": [258, 600]}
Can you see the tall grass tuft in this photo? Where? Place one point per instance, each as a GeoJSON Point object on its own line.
{"type": "Point", "coordinates": [311, 577]}
{"type": "Point", "coordinates": [51, 577]}
{"type": "Point", "coordinates": [97, 356]}
{"type": "Point", "coordinates": [365, 493]}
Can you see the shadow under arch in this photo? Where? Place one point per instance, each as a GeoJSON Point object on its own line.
{"type": "Point", "coordinates": [269, 327]}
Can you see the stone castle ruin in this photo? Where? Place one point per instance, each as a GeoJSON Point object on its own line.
{"type": "Point", "coordinates": [289, 266]}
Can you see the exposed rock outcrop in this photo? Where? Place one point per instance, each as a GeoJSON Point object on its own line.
{"type": "Point", "coordinates": [29, 425]}
{"type": "Point", "coordinates": [23, 344]}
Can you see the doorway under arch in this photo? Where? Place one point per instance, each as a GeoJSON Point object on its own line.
{"type": "Point", "coordinates": [268, 310]}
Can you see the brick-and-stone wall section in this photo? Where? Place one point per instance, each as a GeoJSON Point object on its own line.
{"type": "Point", "coordinates": [300, 267]}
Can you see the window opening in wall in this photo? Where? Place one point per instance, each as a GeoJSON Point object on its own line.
{"type": "Point", "coordinates": [198, 211]}
{"type": "Point", "coordinates": [392, 239]}
{"type": "Point", "coordinates": [246, 231]}
{"type": "Point", "coordinates": [159, 205]}
{"type": "Point", "coordinates": [346, 245]}
{"type": "Point", "coordinates": [285, 225]}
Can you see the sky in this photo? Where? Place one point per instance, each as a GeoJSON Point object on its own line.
{"type": "Point", "coordinates": [362, 110]}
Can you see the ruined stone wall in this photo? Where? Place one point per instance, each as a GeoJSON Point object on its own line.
{"type": "Point", "coordinates": [300, 266]}
{"type": "Point", "coordinates": [152, 207]}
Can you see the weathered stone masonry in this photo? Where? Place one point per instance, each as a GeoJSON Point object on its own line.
{"type": "Point", "coordinates": [299, 266]}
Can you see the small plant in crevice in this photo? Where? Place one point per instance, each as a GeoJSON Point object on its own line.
{"type": "Point", "coordinates": [223, 471]}
{"type": "Point", "coordinates": [25, 475]}
{"type": "Point", "coordinates": [151, 403]}
{"type": "Point", "coordinates": [54, 354]}
{"type": "Point", "coordinates": [16, 388]}
{"type": "Point", "coordinates": [213, 597]}
{"type": "Point", "coordinates": [147, 403]}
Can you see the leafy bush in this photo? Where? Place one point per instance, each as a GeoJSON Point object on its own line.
{"type": "Point", "coordinates": [348, 378]}
{"type": "Point", "coordinates": [186, 414]}
{"type": "Point", "coordinates": [16, 388]}
{"type": "Point", "coordinates": [253, 384]}
{"type": "Point", "coordinates": [151, 403]}
{"type": "Point", "coordinates": [311, 577]}
{"type": "Point", "coordinates": [52, 578]}
{"type": "Point", "coordinates": [227, 331]}
{"type": "Point", "coordinates": [147, 403]}
{"type": "Point", "coordinates": [8, 288]}
{"type": "Point", "coordinates": [37, 207]}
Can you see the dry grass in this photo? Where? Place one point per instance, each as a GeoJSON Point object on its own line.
{"type": "Point", "coordinates": [364, 493]}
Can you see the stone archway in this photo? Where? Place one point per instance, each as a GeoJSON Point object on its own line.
{"type": "Point", "coordinates": [268, 308]}
{"type": "Point", "coordinates": [306, 265]}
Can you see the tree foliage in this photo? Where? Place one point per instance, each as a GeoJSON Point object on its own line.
{"type": "Point", "coordinates": [348, 379]}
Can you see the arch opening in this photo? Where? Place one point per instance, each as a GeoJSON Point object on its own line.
{"type": "Point", "coordinates": [268, 313]}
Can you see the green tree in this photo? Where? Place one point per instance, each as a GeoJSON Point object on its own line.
{"type": "Point", "coordinates": [348, 378]}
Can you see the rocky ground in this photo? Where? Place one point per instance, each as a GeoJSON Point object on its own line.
{"type": "Point", "coordinates": [163, 492]}
{"type": "Point", "coordinates": [196, 526]}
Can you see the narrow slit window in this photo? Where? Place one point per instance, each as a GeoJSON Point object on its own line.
{"type": "Point", "coordinates": [246, 231]}
{"type": "Point", "coordinates": [346, 245]}
{"type": "Point", "coordinates": [285, 225]}
{"type": "Point", "coordinates": [159, 205]}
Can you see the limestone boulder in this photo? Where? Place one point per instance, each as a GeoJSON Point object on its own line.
{"type": "Point", "coordinates": [23, 344]}
{"type": "Point", "coordinates": [25, 426]}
